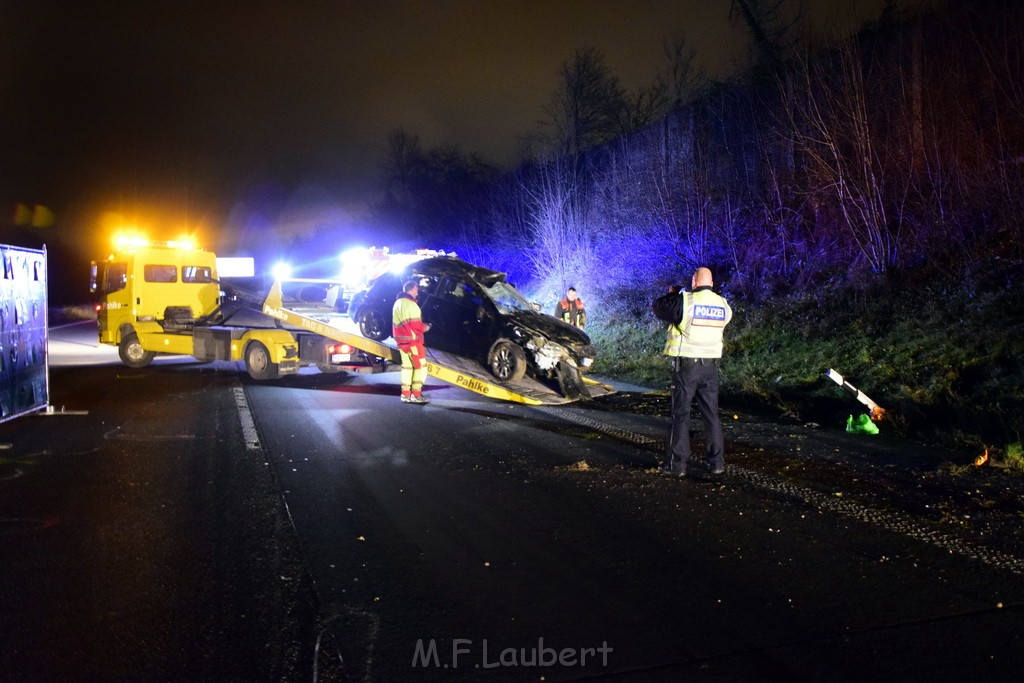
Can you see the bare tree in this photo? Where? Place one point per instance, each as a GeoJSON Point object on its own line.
{"type": "Point", "coordinates": [404, 160]}
{"type": "Point", "coordinates": [848, 158]}
{"type": "Point", "coordinates": [643, 107]}
{"type": "Point", "coordinates": [681, 77]}
{"type": "Point", "coordinates": [561, 251]}
{"type": "Point", "coordinates": [586, 109]}
{"type": "Point", "coordinates": [497, 232]}
{"type": "Point", "coordinates": [774, 27]}
{"type": "Point", "coordinates": [1002, 51]}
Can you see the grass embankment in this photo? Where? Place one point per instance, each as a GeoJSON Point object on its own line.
{"type": "Point", "coordinates": [945, 357]}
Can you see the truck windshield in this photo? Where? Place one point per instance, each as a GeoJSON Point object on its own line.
{"type": "Point", "coordinates": [507, 298]}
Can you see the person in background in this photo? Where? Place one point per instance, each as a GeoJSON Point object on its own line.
{"type": "Point", "coordinates": [408, 329]}
{"type": "Point", "coordinates": [695, 346]}
{"type": "Point", "coordinates": [570, 309]}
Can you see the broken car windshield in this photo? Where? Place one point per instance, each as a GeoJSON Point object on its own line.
{"type": "Point", "coordinates": [507, 298]}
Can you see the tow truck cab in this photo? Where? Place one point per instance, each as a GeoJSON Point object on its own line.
{"type": "Point", "coordinates": [167, 285]}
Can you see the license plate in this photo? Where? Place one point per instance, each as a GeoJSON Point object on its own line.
{"type": "Point", "coordinates": [341, 357]}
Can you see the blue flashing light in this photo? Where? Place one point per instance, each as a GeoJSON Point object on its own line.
{"type": "Point", "coordinates": [281, 270]}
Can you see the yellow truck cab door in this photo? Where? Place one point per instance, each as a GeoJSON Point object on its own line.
{"type": "Point", "coordinates": [116, 303]}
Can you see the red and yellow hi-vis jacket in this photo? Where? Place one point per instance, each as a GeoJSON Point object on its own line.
{"type": "Point", "coordinates": [406, 322]}
{"type": "Point", "coordinates": [572, 312]}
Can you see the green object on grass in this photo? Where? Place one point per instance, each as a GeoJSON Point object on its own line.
{"type": "Point", "coordinates": [861, 425]}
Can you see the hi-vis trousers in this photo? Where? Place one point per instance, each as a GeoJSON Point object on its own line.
{"type": "Point", "coordinates": [414, 369]}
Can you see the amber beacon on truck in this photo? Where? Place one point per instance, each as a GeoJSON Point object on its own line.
{"type": "Point", "coordinates": [165, 297]}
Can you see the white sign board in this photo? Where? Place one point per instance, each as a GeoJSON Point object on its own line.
{"type": "Point", "coordinates": [24, 379]}
{"type": "Point", "coordinates": [235, 266]}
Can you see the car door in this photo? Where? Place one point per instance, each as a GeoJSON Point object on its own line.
{"type": "Point", "coordinates": [451, 309]}
{"type": "Point", "coordinates": [434, 312]}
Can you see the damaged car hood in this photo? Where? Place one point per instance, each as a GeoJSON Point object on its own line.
{"type": "Point", "coordinates": [551, 328]}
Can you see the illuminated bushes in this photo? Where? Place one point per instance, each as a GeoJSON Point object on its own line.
{"type": "Point", "coordinates": [863, 210]}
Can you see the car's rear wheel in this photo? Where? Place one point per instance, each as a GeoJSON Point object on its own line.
{"type": "Point", "coordinates": [373, 325]}
{"type": "Point", "coordinates": [131, 352]}
{"type": "Point", "coordinates": [506, 361]}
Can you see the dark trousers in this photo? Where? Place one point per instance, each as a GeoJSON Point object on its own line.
{"type": "Point", "coordinates": [695, 377]}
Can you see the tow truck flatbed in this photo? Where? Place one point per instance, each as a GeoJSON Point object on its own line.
{"type": "Point", "coordinates": [458, 370]}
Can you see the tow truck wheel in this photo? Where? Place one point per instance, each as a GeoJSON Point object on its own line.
{"type": "Point", "coordinates": [257, 362]}
{"type": "Point", "coordinates": [506, 361]}
{"type": "Point", "coordinates": [372, 325]}
{"type": "Point", "coordinates": [131, 352]}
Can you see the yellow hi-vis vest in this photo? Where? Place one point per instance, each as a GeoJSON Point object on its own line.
{"type": "Point", "coordinates": [406, 325]}
{"type": "Point", "coordinates": [699, 333]}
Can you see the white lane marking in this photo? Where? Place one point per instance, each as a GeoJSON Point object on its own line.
{"type": "Point", "coordinates": [249, 433]}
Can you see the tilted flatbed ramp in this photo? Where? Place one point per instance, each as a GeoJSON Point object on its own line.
{"type": "Point", "coordinates": [457, 370]}
{"type": "Point", "coordinates": [469, 374]}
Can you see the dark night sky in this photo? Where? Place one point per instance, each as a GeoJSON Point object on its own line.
{"type": "Point", "coordinates": [186, 107]}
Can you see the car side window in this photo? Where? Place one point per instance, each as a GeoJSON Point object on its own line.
{"type": "Point", "coordinates": [428, 285]}
{"type": "Point", "coordinates": [460, 292]}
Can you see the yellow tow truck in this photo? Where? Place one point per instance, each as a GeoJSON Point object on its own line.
{"type": "Point", "coordinates": [165, 297]}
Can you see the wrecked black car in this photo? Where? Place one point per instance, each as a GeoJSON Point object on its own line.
{"type": "Point", "coordinates": [474, 312]}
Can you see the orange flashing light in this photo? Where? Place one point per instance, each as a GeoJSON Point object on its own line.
{"type": "Point", "coordinates": [123, 241]}
{"type": "Point", "coordinates": [129, 241]}
{"type": "Point", "coordinates": [184, 243]}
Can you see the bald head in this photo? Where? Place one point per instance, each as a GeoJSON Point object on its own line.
{"type": "Point", "coordinates": [702, 278]}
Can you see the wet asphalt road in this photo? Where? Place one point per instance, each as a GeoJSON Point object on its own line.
{"type": "Point", "coordinates": [142, 541]}
{"type": "Point", "coordinates": [363, 539]}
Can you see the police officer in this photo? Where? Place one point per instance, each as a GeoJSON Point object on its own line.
{"type": "Point", "coordinates": [695, 346]}
{"type": "Point", "coordinates": [407, 327]}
